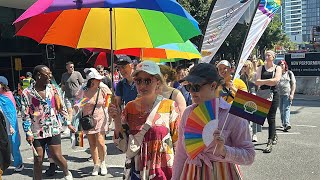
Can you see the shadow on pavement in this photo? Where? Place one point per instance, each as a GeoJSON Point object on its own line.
{"type": "Point", "coordinates": [112, 149]}
{"type": "Point", "coordinates": [259, 148]}
{"type": "Point", "coordinates": [115, 171]}
{"type": "Point", "coordinates": [76, 159]}
{"type": "Point", "coordinates": [27, 171]}
{"type": "Point", "coordinates": [82, 172]}
{"type": "Point", "coordinates": [297, 111]}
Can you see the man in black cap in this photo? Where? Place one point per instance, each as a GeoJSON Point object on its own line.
{"type": "Point", "coordinates": [125, 90]}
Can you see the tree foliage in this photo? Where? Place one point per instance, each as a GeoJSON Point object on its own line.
{"type": "Point", "coordinates": [199, 10]}
{"type": "Point", "coordinates": [231, 48]}
{"type": "Point", "coordinates": [271, 36]}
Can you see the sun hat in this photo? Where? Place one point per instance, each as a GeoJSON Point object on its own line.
{"type": "Point", "coordinates": [224, 62]}
{"type": "Point", "coordinates": [92, 73]}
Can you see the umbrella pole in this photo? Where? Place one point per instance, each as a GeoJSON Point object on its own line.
{"type": "Point", "coordinates": [112, 53]}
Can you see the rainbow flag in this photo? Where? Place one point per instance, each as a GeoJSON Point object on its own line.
{"type": "Point", "coordinates": [250, 107]}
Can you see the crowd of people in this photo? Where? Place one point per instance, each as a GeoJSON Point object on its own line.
{"type": "Point", "coordinates": [149, 107]}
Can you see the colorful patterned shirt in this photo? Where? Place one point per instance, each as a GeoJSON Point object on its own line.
{"type": "Point", "coordinates": [40, 117]}
{"type": "Point", "coordinates": [155, 159]}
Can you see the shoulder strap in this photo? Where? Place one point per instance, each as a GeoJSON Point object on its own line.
{"type": "Point", "coordinates": [95, 105]}
{"type": "Point", "coordinates": [150, 118]}
{"type": "Point", "coordinates": [171, 94]}
{"type": "Point", "coordinates": [290, 74]}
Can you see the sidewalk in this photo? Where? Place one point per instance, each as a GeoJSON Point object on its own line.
{"type": "Point", "coordinates": [306, 97]}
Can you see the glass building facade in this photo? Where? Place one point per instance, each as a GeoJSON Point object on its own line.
{"type": "Point", "coordinates": [310, 18]}
{"type": "Point", "coordinates": [299, 17]}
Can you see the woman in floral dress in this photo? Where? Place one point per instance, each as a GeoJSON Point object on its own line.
{"type": "Point", "coordinates": [154, 159]}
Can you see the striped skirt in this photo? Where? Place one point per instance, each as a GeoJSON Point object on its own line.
{"type": "Point", "coordinates": [220, 171]}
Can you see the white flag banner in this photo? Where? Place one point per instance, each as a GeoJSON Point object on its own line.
{"type": "Point", "coordinates": [261, 20]}
{"type": "Point", "coordinates": [225, 15]}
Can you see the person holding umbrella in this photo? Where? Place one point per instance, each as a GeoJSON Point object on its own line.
{"type": "Point", "coordinates": [153, 122]}
{"type": "Point", "coordinates": [41, 105]}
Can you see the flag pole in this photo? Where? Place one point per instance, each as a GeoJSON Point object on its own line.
{"type": "Point", "coordinates": [112, 51]}
{"type": "Point", "coordinates": [245, 38]}
{"type": "Point", "coordinates": [224, 124]}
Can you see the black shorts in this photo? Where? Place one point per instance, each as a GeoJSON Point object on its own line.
{"type": "Point", "coordinates": [54, 140]}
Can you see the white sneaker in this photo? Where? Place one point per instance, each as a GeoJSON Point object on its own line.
{"type": "Point", "coordinates": [254, 138]}
{"type": "Point", "coordinates": [69, 176]}
{"type": "Point", "coordinates": [104, 170]}
{"type": "Point", "coordinates": [19, 168]}
{"type": "Point", "coordinates": [95, 170]}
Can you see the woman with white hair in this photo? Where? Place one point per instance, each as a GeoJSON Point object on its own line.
{"type": "Point", "coordinates": [267, 78]}
{"type": "Point", "coordinates": [92, 99]}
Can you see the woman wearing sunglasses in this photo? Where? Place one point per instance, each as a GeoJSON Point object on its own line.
{"type": "Point", "coordinates": [233, 147]}
{"type": "Point", "coordinates": [149, 123]}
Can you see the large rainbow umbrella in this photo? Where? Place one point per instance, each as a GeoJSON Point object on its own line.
{"type": "Point", "coordinates": [101, 24]}
{"type": "Point", "coordinates": [165, 53]}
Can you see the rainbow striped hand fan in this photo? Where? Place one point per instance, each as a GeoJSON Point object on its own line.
{"type": "Point", "coordinates": [201, 123]}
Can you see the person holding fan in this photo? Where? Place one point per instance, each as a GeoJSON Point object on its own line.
{"type": "Point", "coordinates": [231, 145]}
{"type": "Point", "coordinates": [147, 131]}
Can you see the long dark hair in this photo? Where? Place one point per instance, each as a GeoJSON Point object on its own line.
{"type": "Point", "coordinates": [89, 83]}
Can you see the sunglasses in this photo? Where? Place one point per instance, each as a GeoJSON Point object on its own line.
{"type": "Point", "coordinates": [245, 66]}
{"type": "Point", "coordinates": [139, 81]}
{"type": "Point", "coordinates": [194, 87]}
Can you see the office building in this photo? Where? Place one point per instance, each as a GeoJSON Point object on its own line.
{"type": "Point", "coordinates": [299, 17]}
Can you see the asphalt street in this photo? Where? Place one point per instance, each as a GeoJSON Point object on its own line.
{"type": "Point", "coordinates": [295, 157]}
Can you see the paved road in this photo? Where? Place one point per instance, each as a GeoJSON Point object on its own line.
{"type": "Point", "coordinates": [295, 157]}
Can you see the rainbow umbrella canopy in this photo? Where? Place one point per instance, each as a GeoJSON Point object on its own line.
{"type": "Point", "coordinates": [97, 23]}
{"type": "Point", "coordinates": [165, 53]}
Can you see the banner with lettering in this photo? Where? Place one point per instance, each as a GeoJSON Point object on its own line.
{"type": "Point", "coordinates": [262, 18]}
{"type": "Point", "coordinates": [224, 15]}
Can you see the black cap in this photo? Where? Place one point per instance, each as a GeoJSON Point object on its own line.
{"type": "Point", "coordinates": [202, 73]}
{"type": "Point", "coordinates": [124, 60]}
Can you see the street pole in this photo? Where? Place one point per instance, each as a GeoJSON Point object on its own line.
{"type": "Point", "coordinates": [12, 70]}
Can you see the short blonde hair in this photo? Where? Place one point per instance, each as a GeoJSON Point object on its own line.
{"type": "Point", "coordinates": [272, 53]}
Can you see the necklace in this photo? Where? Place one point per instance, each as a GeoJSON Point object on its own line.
{"type": "Point", "coordinates": [143, 113]}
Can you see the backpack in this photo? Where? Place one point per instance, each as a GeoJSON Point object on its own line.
{"type": "Point", "coordinates": [290, 76]}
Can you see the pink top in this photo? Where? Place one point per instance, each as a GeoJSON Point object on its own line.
{"type": "Point", "coordinates": [238, 145]}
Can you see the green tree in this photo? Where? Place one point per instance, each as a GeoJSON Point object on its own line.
{"type": "Point", "coordinates": [271, 36]}
{"type": "Point", "coordinates": [199, 10]}
{"type": "Point", "coordinates": [231, 47]}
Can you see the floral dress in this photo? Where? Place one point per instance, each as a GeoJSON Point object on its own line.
{"type": "Point", "coordinates": [100, 117]}
{"type": "Point", "coordinates": [43, 118]}
{"type": "Point", "coordinates": [155, 159]}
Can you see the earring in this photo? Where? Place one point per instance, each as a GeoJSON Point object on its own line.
{"type": "Point", "coordinates": [39, 77]}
